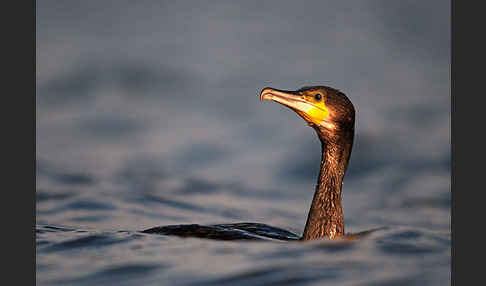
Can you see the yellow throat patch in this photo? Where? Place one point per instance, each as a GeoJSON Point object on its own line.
{"type": "Point", "coordinates": [315, 112]}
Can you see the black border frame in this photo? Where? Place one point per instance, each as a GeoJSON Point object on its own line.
{"type": "Point", "coordinates": [19, 84]}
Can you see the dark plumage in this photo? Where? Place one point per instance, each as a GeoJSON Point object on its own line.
{"type": "Point", "coordinates": [331, 114]}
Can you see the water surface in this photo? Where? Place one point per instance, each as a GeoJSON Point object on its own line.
{"type": "Point", "coordinates": [148, 114]}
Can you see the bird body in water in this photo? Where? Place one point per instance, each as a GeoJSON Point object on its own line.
{"type": "Point", "coordinates": [331, 114]}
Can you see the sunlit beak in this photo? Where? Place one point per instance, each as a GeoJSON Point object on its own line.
{"type": "Point", "coordinates": [292, 100]}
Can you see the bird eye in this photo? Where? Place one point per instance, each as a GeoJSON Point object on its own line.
{"type": "Point", "coordinates": [318, 96]}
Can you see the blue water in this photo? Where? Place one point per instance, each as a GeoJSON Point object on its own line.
{"type": "Point", "coordinates": [148, 114]}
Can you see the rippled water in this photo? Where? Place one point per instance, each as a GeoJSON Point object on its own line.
{"type": "Point", "coordinates": [399, 256]}
{"type": "Point", "coordinates": [148, 114]}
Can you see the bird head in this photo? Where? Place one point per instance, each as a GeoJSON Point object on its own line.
{"type": "Point", "coordinates": [326, 109]}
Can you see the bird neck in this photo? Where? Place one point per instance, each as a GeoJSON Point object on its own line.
{"type": "Point", "coordinates": [325, 218]}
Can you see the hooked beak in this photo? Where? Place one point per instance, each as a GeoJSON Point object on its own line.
{"type": "Point", "coordinates": [291, 99]}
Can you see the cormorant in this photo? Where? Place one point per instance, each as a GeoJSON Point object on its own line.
{"type": "Point", "coordinates": [331, 114]}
